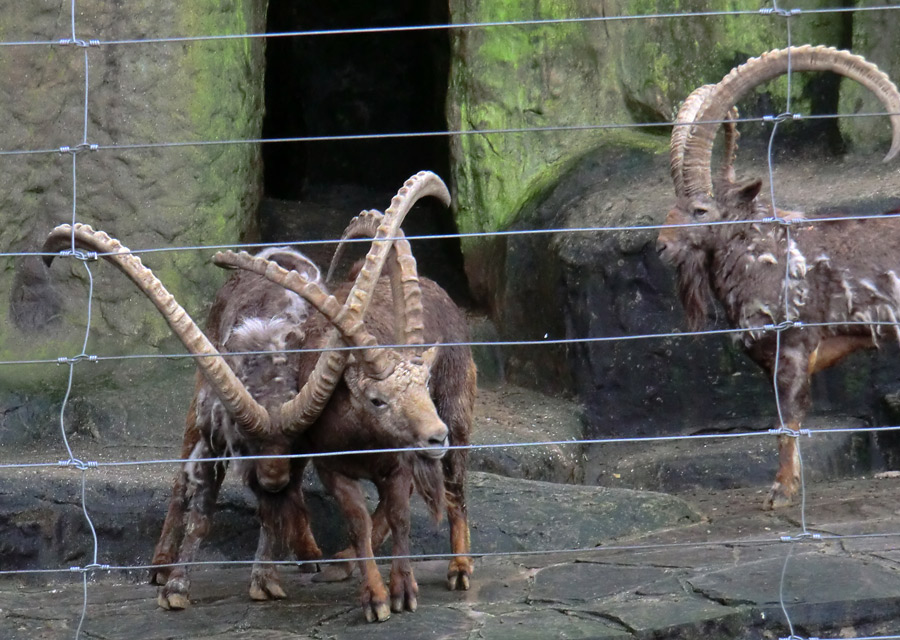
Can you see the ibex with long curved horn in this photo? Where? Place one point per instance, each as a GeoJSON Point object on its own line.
{"type": "Point", "coordinates": [453, 390]}
{"type": "Point", "coordinates": [831, 276]}
{"type": "Point", "coordinates": [383, 395]}
{"type": "Point", "coordinates": [426, 316]}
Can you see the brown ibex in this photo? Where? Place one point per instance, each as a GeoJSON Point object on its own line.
{"type": "Point", "coordinates": [453, 395]}
{"type": "Point", "coordinates": [239, 408]}
{"type": "Point", "coordinates": [435, 320]}
{"type": "Point", "coordinates": [817, 283]}
{"type": "Point", "coordinates": [385, 418]}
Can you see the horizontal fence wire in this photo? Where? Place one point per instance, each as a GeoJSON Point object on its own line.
{"type": "Point", "coordinates": [84, 146]}
{"type": "Point", "coordinates": [766, 11]}
{"type": "Point", "coordinates": [71, 462]}
{"type": "Point", "coordinates": [416, 134]}
{"type": "Point", "coordinates": [598, 549]}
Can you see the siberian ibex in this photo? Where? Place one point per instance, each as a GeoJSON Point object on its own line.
{"type": "Point", "coordinates": [819, 283]}
{"type": "Point", "coordinates": [379, 399]}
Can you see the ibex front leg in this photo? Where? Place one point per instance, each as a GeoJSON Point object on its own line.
{"type": "Point", "coordinates": [284, 522]}
{"type": "Point", "coordinates": [791, 375]}
{"type": "Point", "coordinates": [204, 479]}
{"type": "Point", "coordinates": [352, 502]}
{"type": "Point", "coordinates": [167, 548]}
{"type": "Point", "coordinates": [394, 495]}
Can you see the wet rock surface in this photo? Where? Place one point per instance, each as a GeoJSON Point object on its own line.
{"type": "Point", "coordinates": [717, 577]}
{"type": "Point", "coordinates": [555, 560]}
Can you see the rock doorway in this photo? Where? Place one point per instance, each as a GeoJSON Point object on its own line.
{"type": "Point", "coordinates": [356, 84]}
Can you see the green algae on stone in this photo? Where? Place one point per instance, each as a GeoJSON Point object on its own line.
{"type": "Point", "coordinates": [179, 92]}
{"type": "Point", "coordinates": [591, 76]}
{"type": "Point", "coordinates": [874, 38]}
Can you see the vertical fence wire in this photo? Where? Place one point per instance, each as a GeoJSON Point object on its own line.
{"type": "Point", "coordinates": [784, 431]}
{"type": "Point", "coordinates": [82, 356]}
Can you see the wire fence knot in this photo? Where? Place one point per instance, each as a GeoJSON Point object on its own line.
{"type": "Point", "coordinates": [806, 535]}
{"type": "Point", "coordinates": [784, 222]}
{"type": "Point", "coordinates": [85, 256]}
{"type": "Point", "coordinates": [784, 325]}
{"type": "Point", "coordinates": [786, 431]}
{"type": "Point", "coordinates": [776, 11]}
{"type": "Point", "coordinates": [78, 42]}
{"type": "Point", "coordinates": [80, 357]}
{"type": "Point", "coordinates": [783, 117]}
{"type": "Point", "coordinates": [78, 148]}
{"type": "Point", "coordinates": [81, 465]}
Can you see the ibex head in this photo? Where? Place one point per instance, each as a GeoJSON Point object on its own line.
{"type": "Point", "coordinates": [409, 382]}
{"type": "Point", "coordinates": [400, 404]}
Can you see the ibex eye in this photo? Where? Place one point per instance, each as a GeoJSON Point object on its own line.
{"type": "Point", "coordinates": [699, 212]}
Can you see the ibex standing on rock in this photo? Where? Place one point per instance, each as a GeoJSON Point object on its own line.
{"type": "Point", "coordinates": [364, 398]}
{"type": "Point", "coordinates": [842, 274]}
{"type": "Point", "coordinates": [453, 394]}
{"type": "Point", "coordinates": [241, 406]}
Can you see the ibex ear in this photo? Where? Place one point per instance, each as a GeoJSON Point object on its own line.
{"type": "Point", "coordinates": [748, 190]}
{"type": "Point", "coordinates": [430, 356]}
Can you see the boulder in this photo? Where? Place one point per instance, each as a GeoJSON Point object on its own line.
{"type": "Point", "coordinates": [43, 525]}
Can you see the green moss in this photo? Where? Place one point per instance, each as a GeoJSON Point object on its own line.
{"type": "Point", "coordinates": [515, 77]}
{"type": "Point", "coordinates": [209, 90]}
{"type": "Point", "coordinates": [586, 74]}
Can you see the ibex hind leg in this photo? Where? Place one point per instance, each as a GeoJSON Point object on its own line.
{"type": "Point", "coordinates": [343, 569]}
{"type": "Point", "coordinates": [457, 410]}
{"type": "Point", "coordinates": [461, 567]}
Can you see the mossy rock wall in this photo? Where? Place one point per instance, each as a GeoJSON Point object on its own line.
{"type": "Point", "coordinates": [875, 38]}
{"type": "Point", "coordinates": [147, 197]}
{"type": "Point", "coordinates": [567, 74]}
{"type": "Point", "coordinates": [619, 73]}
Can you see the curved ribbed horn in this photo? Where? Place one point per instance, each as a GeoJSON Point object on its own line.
{"type": "Point", "coordinates": [306, 406]}
{"type": "Point", "coordinates": [687, 114]}
{"type": "Point", "coordinates": [312, 292]}
{"type": "Point", "coordinates": [362, 226]}
{"type": "Point", "coordinates": [424, 183]}
{"type": "Point", "coordinates": [409, 314]}
{"type": "Point", "coordinates": [754, 72]}
{"type": "Point", "coordinates": [247, 413]}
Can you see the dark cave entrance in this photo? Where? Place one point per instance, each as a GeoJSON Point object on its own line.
{"type": "Point", "coordinates": [356, 84]}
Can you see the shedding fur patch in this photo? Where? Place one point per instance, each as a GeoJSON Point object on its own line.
{"type": "Point", "coordinates": [257, 357]}
{"type": "Point", "coordinates": [798, 287]}
{"type": "Point", "coordinates": [199, 452]}
{"type": "Point", "coordinates": [296, 309]}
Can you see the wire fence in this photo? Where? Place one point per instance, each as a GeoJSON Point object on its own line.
{"type": "Point", "coordinates": [803, 535]}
